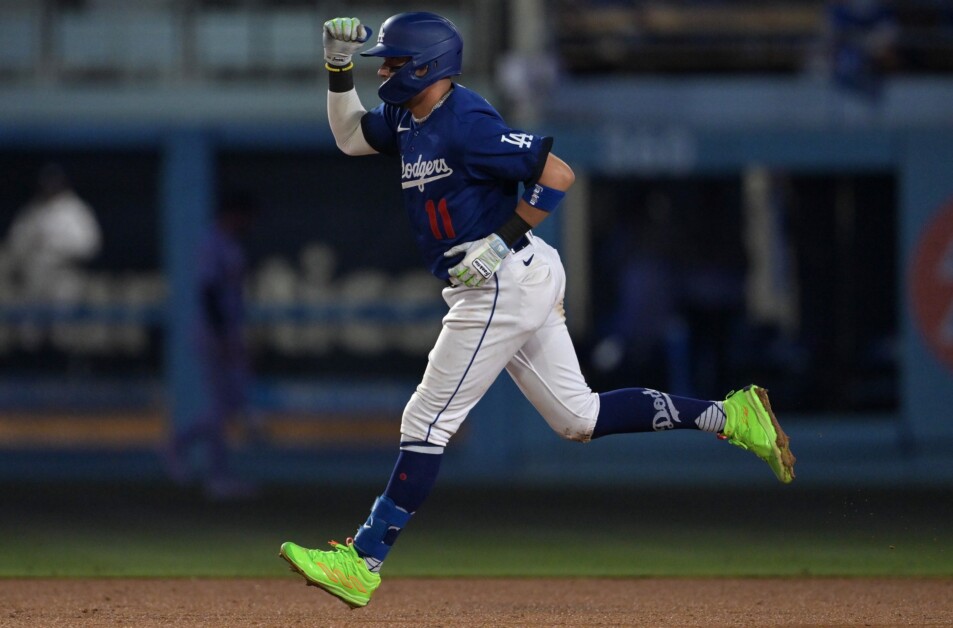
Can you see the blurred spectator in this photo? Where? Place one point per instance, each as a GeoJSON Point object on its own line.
{"type": "Point", "coordinates": [677, 278]}
{"type": "Point", "coordinates": [644, 331]}
{"type": "Point", "coordinates": [861, 43]}
{"type": "Point", "coordinates": [49, 240]}
{"type": "Point", "coordinates": [220, 350]}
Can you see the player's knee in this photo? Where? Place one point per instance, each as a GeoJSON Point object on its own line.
{"type": "Point", "coordinates": [576, 433]}
{"type": "Point", "coordinates": [571, 427]}
{"type": "Point", "coordinates": [574, 418]}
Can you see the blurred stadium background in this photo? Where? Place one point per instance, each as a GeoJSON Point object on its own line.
{"type": "Point", "coordinates": [756, 201]}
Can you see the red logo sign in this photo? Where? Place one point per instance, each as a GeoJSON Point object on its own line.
{"type": "Point", "coordinates": [931, 285]}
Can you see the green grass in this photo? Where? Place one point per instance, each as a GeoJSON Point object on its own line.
{"type": "Point", "coordinates": [158, 532]}
{"type": "Point", "coordinates": [717, 553]}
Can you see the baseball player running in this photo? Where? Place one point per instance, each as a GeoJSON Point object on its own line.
{"type": "Point", "coordinates": [462, 168]}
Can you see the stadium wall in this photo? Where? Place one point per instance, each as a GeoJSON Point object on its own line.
{"type": "Point", "coordinates": [729, 127]}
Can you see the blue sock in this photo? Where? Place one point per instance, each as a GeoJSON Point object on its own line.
{"type": "Point", "coordinates": [414, 475]}
{"type": "Point", "coordinates": [645, 410]}
{"type": "Point", "coordinates": [410, 483]}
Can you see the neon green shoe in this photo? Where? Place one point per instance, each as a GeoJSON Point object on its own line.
{"type": "Point", "coordinates": [340, 572]}
{"type": "Point", "coordinates": [751, 425]}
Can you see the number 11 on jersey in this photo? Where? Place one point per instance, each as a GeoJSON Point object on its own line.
{"type": "Point", "coordinates": [441, 208]}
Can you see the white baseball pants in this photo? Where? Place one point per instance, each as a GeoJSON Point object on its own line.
{"type": "Point", "coordinates": [515, 321]}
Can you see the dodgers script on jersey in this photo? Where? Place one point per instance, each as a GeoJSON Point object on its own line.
{"type": "Point", "coordinates": [460, 169]}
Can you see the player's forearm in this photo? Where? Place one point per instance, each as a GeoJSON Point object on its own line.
{"type": "Point", "coordinates": [345, 112]}
{"type": "Point", "coordinates": [530, 215]}
{"type": "Point", "coordinates": [556, 176]}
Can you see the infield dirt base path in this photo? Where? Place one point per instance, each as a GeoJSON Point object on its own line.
{"type": "Point", "coordinates": [482, 602]}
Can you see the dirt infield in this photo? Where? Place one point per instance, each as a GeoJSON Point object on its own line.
{"type": "Point", "coordinates": [482, 602]}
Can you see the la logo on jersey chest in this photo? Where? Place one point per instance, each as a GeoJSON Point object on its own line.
{"type": "Point", "coordinates": [421, 172]}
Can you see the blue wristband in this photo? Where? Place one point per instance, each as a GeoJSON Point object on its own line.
{"type": "Point", "coordinates": [542, 197]}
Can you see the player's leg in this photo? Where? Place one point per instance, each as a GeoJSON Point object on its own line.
{"type": "Point", "coordinates": [547, 372]}
{"type": "Point", "coordinates": [482, 330]}
{"type": "Point", "coordinates": [351, 571]}
{"type": "Point", "coordinates": [480, 333]}
{"type": "Point", "coordinates": [545, 369]}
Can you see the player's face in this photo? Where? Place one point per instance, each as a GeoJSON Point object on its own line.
{"type": "Point", "coordinates": [390, 66]}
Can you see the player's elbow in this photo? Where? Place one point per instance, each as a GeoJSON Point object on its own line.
{"type": "Point", "coordinates": [557, 174]}
{"type": "Point", "coordinates": [345, 147]}
{"type": "Point", "coordinates": [354, 144]}
{"type": "Point", "coordinates": [568, 178]}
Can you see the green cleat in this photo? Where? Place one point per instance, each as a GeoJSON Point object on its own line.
{"type": "Point", "coordinates": [340, 572]}
{"type": "Point", "coordinates": [751, 425]}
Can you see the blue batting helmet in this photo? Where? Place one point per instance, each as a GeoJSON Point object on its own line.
{"type": "Point", "coordinates": [429, 40]}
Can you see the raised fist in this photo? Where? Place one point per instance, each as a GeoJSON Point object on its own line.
{"type": "Point", "coordinates": [343, 36]}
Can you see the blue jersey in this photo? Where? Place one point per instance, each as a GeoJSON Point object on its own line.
{"type": "Point", "coordinates": [460, 169]}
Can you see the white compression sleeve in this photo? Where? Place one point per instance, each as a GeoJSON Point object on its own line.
{"type": "Point", "coordinates": [344, 113]}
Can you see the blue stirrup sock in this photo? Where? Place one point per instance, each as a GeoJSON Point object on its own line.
{"type": "Point", "coordinates": [411, 481]}
{"type": "Point", "coordinates": [631, 410]}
